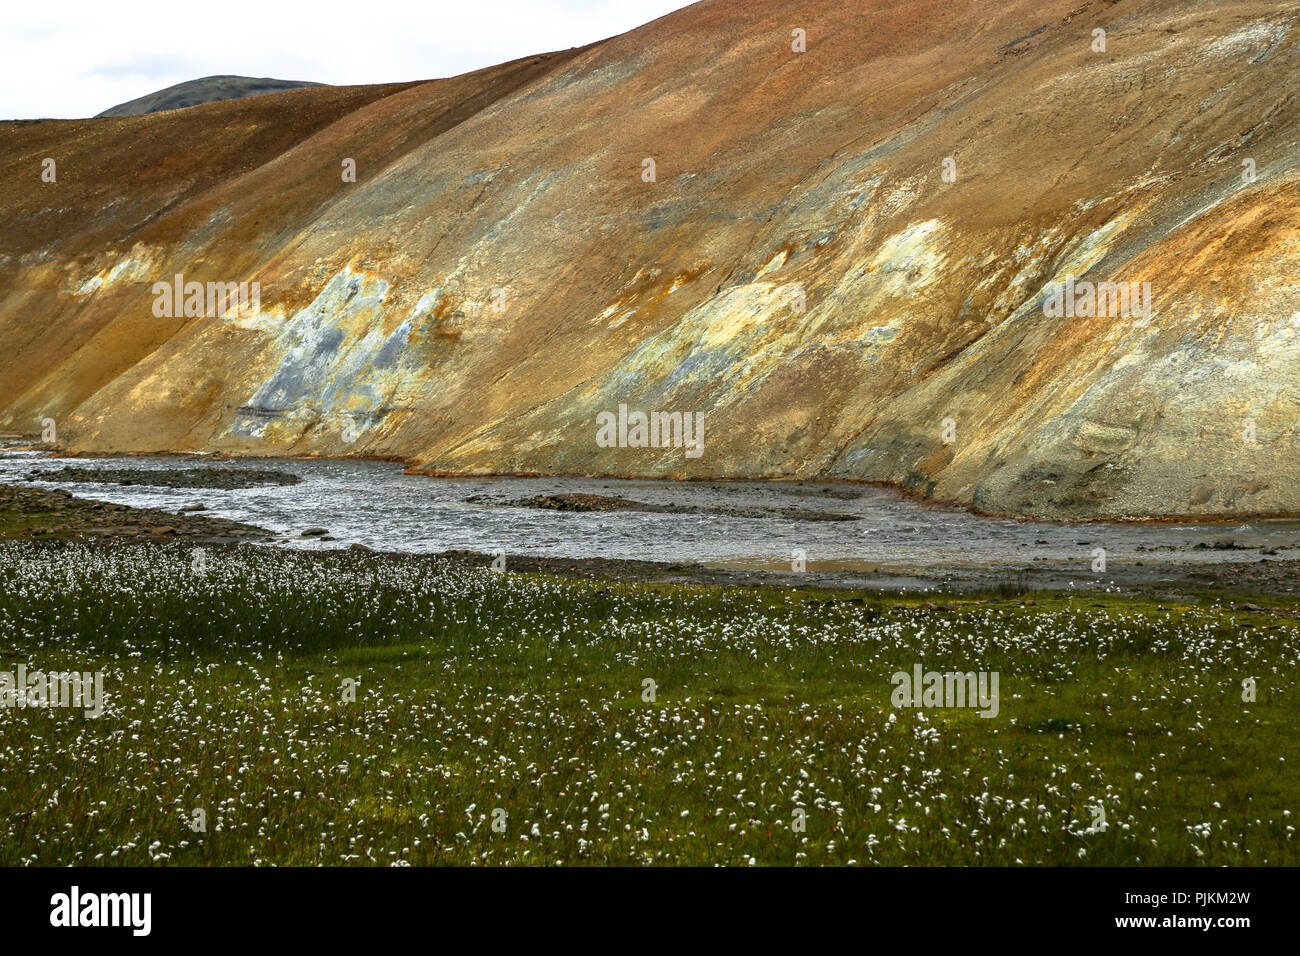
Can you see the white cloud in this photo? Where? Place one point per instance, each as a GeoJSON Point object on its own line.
{"type": "Point", "coordinates": [75, 58]}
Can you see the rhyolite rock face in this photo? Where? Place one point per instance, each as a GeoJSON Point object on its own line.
{"type": "Point", "coordinates": [841, 261]}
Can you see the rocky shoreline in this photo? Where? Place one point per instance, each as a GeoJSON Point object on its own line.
{"type": "Point", "coordinates": [39, 513]}
{"type": "Point", "coordinates": [225, 479]}
{"type": "Point", "coordinates": [1277, 578]}
{"type": "Point", "coordinates": [588, 502]}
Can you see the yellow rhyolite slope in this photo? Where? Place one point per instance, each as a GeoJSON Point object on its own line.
{"type": "Point", "coordinates": [800, 271]}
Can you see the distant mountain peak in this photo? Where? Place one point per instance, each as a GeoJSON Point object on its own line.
{"type": "Point", "coordinates": [206, 89]}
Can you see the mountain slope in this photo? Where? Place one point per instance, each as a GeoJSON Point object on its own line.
{"type": "Point", "coordinates": [207, 89]}
{"type": "Point", "coordinates": [500, 273]}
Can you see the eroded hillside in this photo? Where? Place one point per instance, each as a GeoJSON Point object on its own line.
{"type": "Point", "coordinates": [841, 259]}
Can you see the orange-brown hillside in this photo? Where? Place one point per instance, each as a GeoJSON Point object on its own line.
{"type": "Point", "coordinates": [841, 260]}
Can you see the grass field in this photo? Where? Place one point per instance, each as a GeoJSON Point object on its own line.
{"type": "Point", "coordinates": [487, 698]}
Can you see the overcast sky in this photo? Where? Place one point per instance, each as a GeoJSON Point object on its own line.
{"type": "Point", "coordinates": [75, 58]}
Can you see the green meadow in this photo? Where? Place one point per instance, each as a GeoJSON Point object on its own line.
{"type": "Point", "coordinates": [274, 708]}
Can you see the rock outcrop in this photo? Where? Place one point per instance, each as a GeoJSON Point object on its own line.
{"type": "Point", "coordinates": [848, 259]}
